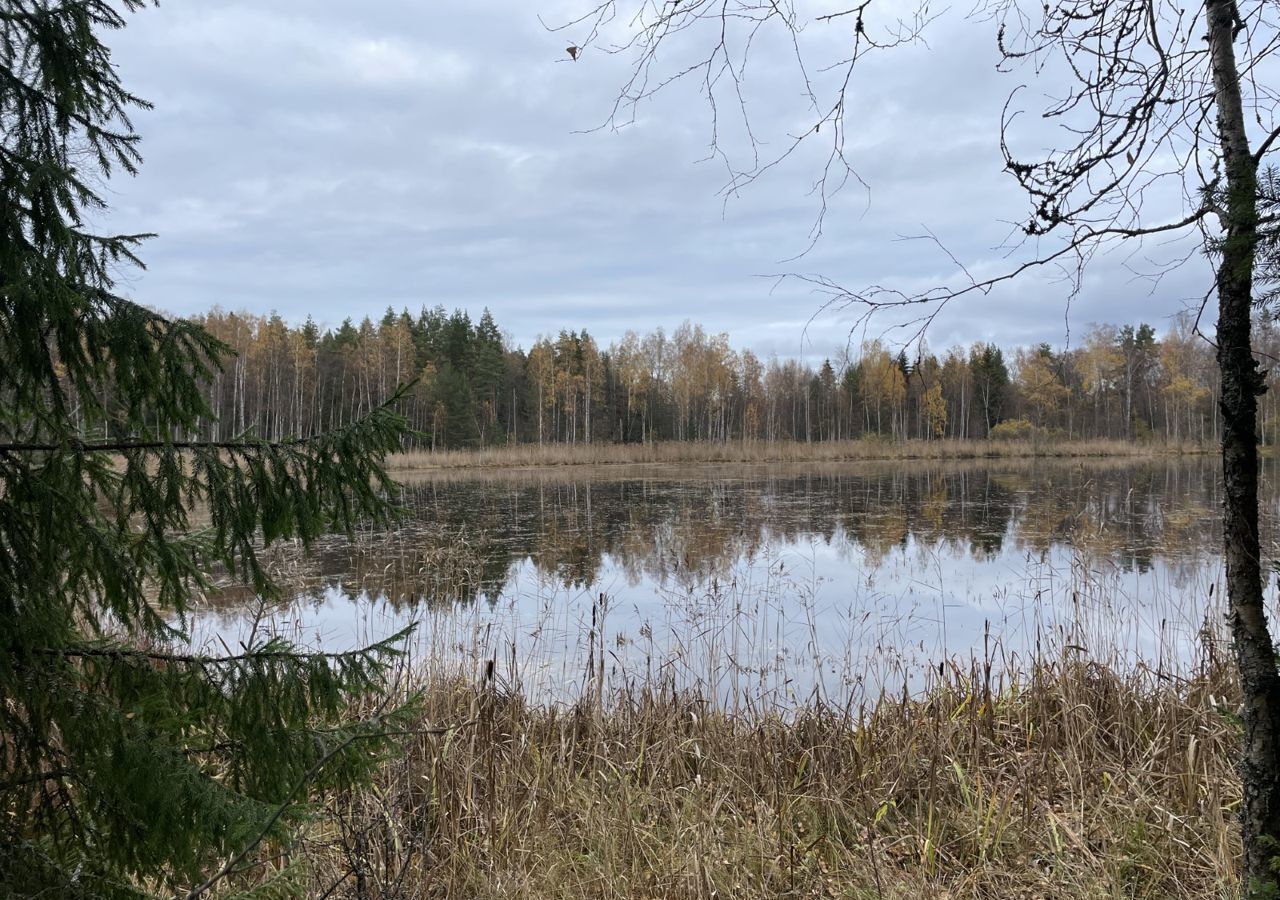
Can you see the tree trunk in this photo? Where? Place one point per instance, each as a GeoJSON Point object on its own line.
{"type": "Point", "coordinates": [1240, 387]}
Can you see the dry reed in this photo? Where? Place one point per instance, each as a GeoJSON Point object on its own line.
{"type": "Point", "coordinates": [1072, 780]}
{"type": "Point", "coordinates": [534, 455]}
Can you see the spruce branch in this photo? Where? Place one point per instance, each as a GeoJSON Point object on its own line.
{"type": "Point", "coordinates": [309, 776]}
{"type": "Point", "coordinates": [268, 653]}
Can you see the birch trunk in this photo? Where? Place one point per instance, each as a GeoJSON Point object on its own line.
{"type": "Point", "coordinates": [1241, 385]}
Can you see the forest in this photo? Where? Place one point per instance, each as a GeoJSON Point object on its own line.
{"type": "Point", "coordinates": [471, 387]}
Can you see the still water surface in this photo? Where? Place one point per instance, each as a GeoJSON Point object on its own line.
{"type": "Point", "coordinates": [771, 581]}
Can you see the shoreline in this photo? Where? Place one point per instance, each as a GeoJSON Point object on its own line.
{"type": "Point", "coordinates": [533, 456]}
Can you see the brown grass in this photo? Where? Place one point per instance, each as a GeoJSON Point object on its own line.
{"type": "Point", "coordinates": [1062, 778]}
{"type": "Point", "coordinates": [1072, 781]}
{"type": "Point", "coordinates": [534, 455]}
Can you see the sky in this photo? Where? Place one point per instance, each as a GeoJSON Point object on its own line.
{"type": "Point", "coordinates": [328, 159]}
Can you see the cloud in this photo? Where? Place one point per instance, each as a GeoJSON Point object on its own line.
{"type": "Point", "coordinates": [332, 159]}
{"type": "Point", "coordinates": [386, 62]}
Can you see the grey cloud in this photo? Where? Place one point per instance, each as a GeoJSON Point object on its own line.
{"type": "Point", "coordinates": [332, 159]}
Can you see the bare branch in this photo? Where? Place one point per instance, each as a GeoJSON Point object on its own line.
{"type": "Point", "coordinates": [715, 38]}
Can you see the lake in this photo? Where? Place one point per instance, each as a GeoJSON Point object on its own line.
{"type": "Point", "coordinates": [771, 583]}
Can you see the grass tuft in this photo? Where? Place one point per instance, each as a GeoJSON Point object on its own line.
{"type": "Point", "coordinates": [1070, 780]}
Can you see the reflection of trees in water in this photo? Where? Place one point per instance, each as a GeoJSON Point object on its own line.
{"type": "Point", "coordinates": [1129, 516]}
{"type": "Point", "coordinates": [464, 538]}
{"type": "Point", "coordinates": [420, 561]}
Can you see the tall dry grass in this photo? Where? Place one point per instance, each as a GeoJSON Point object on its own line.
{"type": "Point", "coordinates": [1070, 780]}
{"type": "Point", "coordinates": [534, 455]}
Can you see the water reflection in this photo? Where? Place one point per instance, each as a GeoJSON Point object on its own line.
{"type": "Point", "coordinates": [861, 556]}
{"type": "Point", "coordinates": [464, 537]}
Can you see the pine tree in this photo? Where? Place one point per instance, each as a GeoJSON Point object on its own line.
{"type": "Point", "coordinates": [990, 379]}
{"type": "Point", "coordinates": [131, 764]}
{"type": "Point", "coordinates": [490, 366]}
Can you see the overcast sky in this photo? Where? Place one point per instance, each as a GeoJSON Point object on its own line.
{"type": "Point", "coordinates": [331, 159]}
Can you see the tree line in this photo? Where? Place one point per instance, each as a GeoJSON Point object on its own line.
{"type": "Point", "coordinates": [472, 387]}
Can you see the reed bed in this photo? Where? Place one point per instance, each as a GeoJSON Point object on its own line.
{"type": "Point", "coordinates": [545, 455]}
{"type": "Point", "coordinates": [1070, 780]}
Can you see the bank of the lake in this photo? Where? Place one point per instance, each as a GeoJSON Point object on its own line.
{"type": "Point", "coordinates": [685, 452]}
{"type": "Point", "coordinates": [1073, 781]}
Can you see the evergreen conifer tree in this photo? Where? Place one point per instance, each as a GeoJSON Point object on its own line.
{"type": "Point", "coordinates": [131, 764]}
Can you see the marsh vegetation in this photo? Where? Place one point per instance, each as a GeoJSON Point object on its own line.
{"type": "Point", "coordinates": [890, 679]}
{"type": "Point", "coordinates": [782, 451]}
